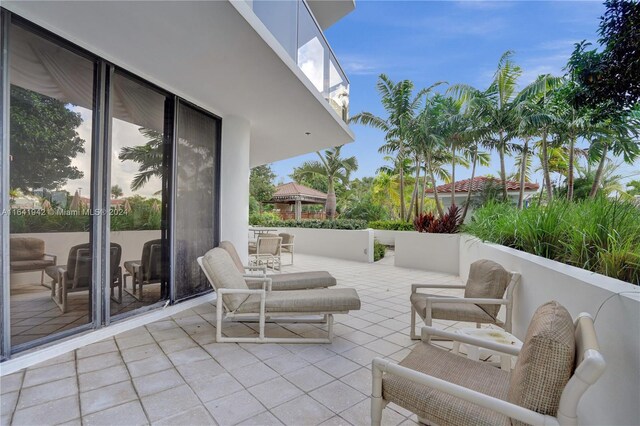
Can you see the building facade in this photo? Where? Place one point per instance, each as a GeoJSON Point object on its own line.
{"type": "Point", "coordinates": [133, 126]}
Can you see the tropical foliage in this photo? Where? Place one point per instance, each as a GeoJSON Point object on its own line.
{"type": "Point", "coordinates": [600, 235]}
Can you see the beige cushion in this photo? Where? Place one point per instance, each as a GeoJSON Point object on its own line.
{"type": "Point", "coordinates": [546, 360]}
{"type": "Point", "coordinates": [30, 265]}
{"type": "Point", "coordinates": [220, 267]}
{"type": "Point", "coordinates": [438, 407]}
{"type": "Point", "coordinates": [231, 249]}
{"type": "Point", "coordinates": [318, 300]}
{"type": "Point", "coordinates": [487, 280]}
{"type": "Point", "coordinates": [450, 311]}
{"type": "Point", "coordinates": [25, 248]}
{"type": "Point", "coordinates": [298, 281]}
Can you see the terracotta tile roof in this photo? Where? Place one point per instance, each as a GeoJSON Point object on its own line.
{"type": "Point", "coordinates": [292, 190]}
{"type": "Point", "coordinates": [479, 183]}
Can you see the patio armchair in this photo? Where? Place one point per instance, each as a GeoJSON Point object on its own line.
{"type": "Point", "coordinates": [76, 275]}
{"type": "Point", "coordinates": [558, 362]}
{"type": "Point", "coordinates": [236, 301]}
{"type": "Point", "coordinates": [287, 243]}
{"type": "Point", "coordinates": [26, 254]}
{"type": "Point", "coordinates": [267, 251]}
{"type": "Point", "coordinates": [147, 270]}
{"type": "Point", "coordinates": [254, 275]}
{"type": "Point", "coordinates": [489, 286]}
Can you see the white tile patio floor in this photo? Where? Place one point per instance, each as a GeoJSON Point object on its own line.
{"type": "Point", "coordinates": [172, 372]}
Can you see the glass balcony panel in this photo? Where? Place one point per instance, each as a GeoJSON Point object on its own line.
{"type": "Point", "coordinates": [280, 18]}
{"type": "Point", "coordinates": [338, 89]}
{"type": "Point", "coordinates": [312, 51]}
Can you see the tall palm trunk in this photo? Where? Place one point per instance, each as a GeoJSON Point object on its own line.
{"type": "Point", "coordinates": [523, 169]}
{"type": "Point", "coordinates": [414, 194]}
{"type": "Point", "coordinates": [423, 190]}
{"type": "Point", "coordinates": [435, 187]}
{"type": "Point", "coordinates": [545, 166]}
{"type": "Point", "coordinates": [503, 171]}
{"type": "Point", "coordinates": [400, 162]}
{"type": "Point", "coordinates": [570, 167]}
{"type": "Point", "coordinates": [598, 176]}
{"type": "Point", "coordinates": [330, 206]}
{"type": "Point", "coordinates": [473, 175]}
{"type": "Point", "coordinates": [453, 173]}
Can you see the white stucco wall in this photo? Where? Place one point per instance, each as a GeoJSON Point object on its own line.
{"type": "Point", "coordinates": [337, 243]}
{"type": "Point", "coordinates": [614, 398]}
{"type": "Point", "coordinates": [429, 252]}
{"type": "Point", "coordinates": [388, 238]}
{"type": "Point", "coordinates": [234, 188]}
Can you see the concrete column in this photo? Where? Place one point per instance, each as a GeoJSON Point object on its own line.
{"type": "Point", "coordinates": [234, 188]}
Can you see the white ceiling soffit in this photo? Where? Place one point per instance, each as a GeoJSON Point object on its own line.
{"type": "Point", "coordinates": [207, 53]}
{"type": "Point", "coordinates": [328, 12]}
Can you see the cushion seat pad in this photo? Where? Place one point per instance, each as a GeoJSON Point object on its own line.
{"type": "Point", "coordinates": [450, 311]}
{"type": "Point", "coordinates": [311, 301]}
{"type": "Point", "coordinates": [30, 265]}
{"type": "Point", "coordinates": [438, 407]}
{"type": "Point", "coordinates": [298, 281]}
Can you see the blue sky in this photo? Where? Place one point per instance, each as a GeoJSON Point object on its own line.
{"type": "Point", "coordinates": [453, 41]}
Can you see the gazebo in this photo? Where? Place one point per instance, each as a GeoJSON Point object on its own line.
{"type": "Point", "coordinates": [290, 197]}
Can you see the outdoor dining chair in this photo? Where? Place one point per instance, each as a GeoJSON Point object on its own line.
{"type": "Point", "coordinates": [147, 270]}
{"type": "Point", "coordinates": [267, 251]}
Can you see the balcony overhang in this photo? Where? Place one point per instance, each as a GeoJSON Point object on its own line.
{"type": "Point", "coordinates": [328, 12]}
{"type": "Point", "coordinates": [207, 53]}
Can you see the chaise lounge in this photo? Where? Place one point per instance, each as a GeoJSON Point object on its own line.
{"type": "Point", "coordinates": [288, 281]}
{"type": "Point", "coordinates": [238, 301]}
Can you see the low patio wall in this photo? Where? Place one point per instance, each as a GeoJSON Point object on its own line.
{"type": "Point", "coordinates": [429, 252]}
{"type": "Point", "coordinates": [614, 304]}
{"type": "Point", "coordinates": [337, 243]}
{"type": "Point", "coordinates": [59, 243]}
{"type": "Point", "coordinates": [388, 238]}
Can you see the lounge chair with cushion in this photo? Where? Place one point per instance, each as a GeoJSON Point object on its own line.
{"type": "Point", "coordinates": [237, 301]}
{"type": "Point", "coordinates": [488, 287]}
{"type": "Point", "coordinates": [76, 275]}
{"type": "Point", "coordinates": [26, 254]}
{"type": "Point", "coordinates": [288, 281]}
{"type": "Point", "coordinates": [558, 362]}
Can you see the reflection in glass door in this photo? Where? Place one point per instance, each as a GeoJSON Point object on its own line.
{"type": "Point", "coordinates": [50, 177]}
{"type": "Point", "coordinates": [196, 195]}
{"type": "Point", "coordinates": [138, 195]}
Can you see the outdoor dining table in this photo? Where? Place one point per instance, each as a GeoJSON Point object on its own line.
{"type": "Point", "coordinates": [258, 231]}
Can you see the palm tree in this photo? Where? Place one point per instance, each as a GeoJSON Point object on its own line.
{"type": "Point", "coordinates": [618, 135]}
{"type": "Point", "coordinates": [496, 106]}
{"type": "Point", "coordinates": [149, 157]}
{"type": "Point", "coordinates": [401, 106]}
{"type": "Point", "coordinates": [334, 168]}
{"type": "Point", "coordinates": [116, 191]}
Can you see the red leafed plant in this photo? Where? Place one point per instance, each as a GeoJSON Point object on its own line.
{"type": "Point", "coordinates": [448, 224]}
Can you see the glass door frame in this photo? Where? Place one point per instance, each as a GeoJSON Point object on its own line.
{"type": "Point", "coordinates": [100, 187]}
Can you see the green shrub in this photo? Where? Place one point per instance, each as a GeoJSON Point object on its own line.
{"type": "Point", "coordinates": [391, 225]}
{"type": "Point", "coordinates": [350, 224]}
{"type": "Point", "coordinates": [600, 235]}
{"type": "Point", "coordinates": [379, 250]}
{"type": "Point", "coordinates": [262, 218]}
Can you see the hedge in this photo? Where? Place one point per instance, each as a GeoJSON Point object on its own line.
{"type": "Point", "coordinates": [391, 225]}
{"type": "Point", "coordinates": [351, 224]}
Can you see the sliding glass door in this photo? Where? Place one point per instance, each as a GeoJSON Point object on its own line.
{"type": "Point", "coordinates": [139, 172]}
{"type": "Point", "coordinates": [197, 157]}
{"type": "Point", "coordinates": [50, 180]}
{"type": "Point", "coordinates": [109, 190]}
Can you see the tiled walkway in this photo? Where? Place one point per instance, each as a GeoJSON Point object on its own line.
{"type": "Point", "coordinates": [173, 372]}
